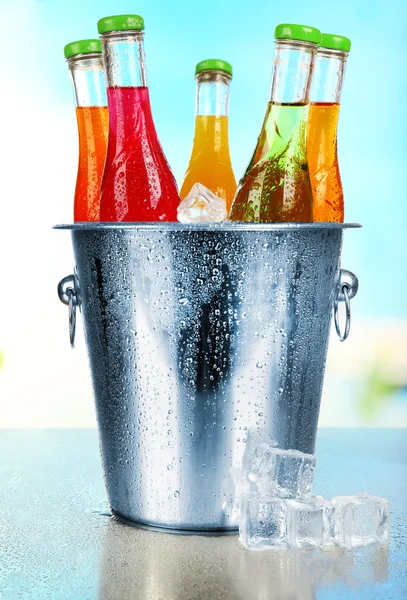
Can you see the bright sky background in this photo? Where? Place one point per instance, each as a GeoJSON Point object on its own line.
{"type": "Point", "coordinates": [43, 381]}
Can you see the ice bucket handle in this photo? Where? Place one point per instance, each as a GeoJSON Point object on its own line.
{"type": "Point", "coordinates": [347, 289]}
{"type": "Point", "coordinates": [68, 294]}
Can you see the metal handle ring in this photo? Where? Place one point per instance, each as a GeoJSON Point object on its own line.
{"type": "Point", "coordinates": [72, 315]}
{"type": "Point", "coordinates": [345, 292]}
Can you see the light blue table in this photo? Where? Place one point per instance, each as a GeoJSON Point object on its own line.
{"type": "Point", "coordinates": [58, 541]}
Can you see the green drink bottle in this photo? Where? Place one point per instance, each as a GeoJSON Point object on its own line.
{"type": "Point", "coordinates": [276, 186]}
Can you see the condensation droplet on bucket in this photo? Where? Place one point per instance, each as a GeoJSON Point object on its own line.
{"type": "Point", "coordinates": [259, 365]}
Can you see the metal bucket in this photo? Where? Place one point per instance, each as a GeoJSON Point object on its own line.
{"type": "Point", "coordinates": [195, 335]}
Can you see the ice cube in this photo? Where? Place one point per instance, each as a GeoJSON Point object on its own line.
{"type": "Point", "coordinates": [237, 488]}
{"type": "Point", "coordinates": [258, 454]}
{"type": "Point", "coordinates": [280, 473]}
{"type": "Point", "coordinates": [201, 206]}
{"type": "Point", "coordinates": [308, 523]}
{"type": "Point", "coordinates": [360, 520]}
{"type": "Point", "coordinates": [263, 522]}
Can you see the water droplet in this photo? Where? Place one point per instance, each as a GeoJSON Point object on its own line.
{"type": "Point", "coordinates": [176, 494]}
{"type": "Point", "coordinates": [169, 467]}
{"type": "Point", "coordinates": [183, 301]}
{"type": "Point", "coordinates": [259, 365]}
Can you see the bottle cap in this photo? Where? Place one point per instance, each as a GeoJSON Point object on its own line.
{"type": "Point", "coordinates": [335, 42]}
{"type": "Point", "coordinates": [82, 47]}
{"type": "Point", "coordinates": [120, 23]}
{"type": "Point", "coordinates": [303, 33]}
{"type": "Point", "coordinates": [214, 64]}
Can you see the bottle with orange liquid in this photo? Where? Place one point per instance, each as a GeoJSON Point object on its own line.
{"type": "Point", "coordinates": [276, 186]}
{"type": "Point", "coordinates": [325, 94]}
{"type": "Point", "coordinates": [86, 67]}
{"type": "Point", "coordinates": [137, 182]}
{"type": "Point", "coordinates": [210, 162]}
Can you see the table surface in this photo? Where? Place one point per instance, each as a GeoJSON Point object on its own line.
{"type": "Point", "coordinates": [58, 541]}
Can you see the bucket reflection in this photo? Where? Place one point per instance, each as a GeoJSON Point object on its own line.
{"type": "Point", "coordinates": [145, 564]}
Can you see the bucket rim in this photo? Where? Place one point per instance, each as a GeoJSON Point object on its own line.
{"type": "Point", "coordinates": [225, 226]}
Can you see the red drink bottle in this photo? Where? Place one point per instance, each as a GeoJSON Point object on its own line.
{"type": "Point", "coordinates": [137, 183]}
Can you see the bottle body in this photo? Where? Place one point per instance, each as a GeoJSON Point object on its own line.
{"type": "Point", "coordinates": [328, 202]}
{"type": "Point", "coordinates": [322, 147]}
{"type": "Point", "coordinates": [92, 132]}
{"type": "Point", "coordinates": [276, 186]}
{"type": "Point", "coordinates": [210, 163]}
{"type": "Point", "coordinates": [137, 183]}
{"type": "Point", "coordinates": [92, 120]}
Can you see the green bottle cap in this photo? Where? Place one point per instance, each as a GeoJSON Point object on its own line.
{"type": "Point", "coordinates": [82, 47]}
{"type": "Point", "coordinates": [335, 42]}
{"type": "Point", "coordinates": [303, 33]}
{"type": "Point", "coordinates": [120, 23]}
{"type": "Point", "coordinates": [214, 64]}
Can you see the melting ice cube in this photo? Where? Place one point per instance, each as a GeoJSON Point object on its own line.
{"type": "Point", "coordinates": [201, 206]}
{"type": "Point", "coordinates": [360, 520]}
{"type": "Point", "coordinates": [308, 523]}
{"type": "Point", "coordinates": [279, 473]}
{"type": "Point", "coordinates": [263, 522]}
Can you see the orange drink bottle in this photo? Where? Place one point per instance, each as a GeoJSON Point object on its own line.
{"type": "Point", "coordinates": [276, 186]}
{"type": "Point", "coordinates": [210, 162]}
{"type": "Point", "coordinates": [86, 67]}
{"type": "Point", "coordinates": [325, 93]}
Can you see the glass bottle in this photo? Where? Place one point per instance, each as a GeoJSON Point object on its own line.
{"type": "Point", "coordinates": [210, 162]}
{"type": "Point", "coordinates": [325, 95]}
{"type": "Point", "coordinates": [85, 64]}
{"type": "Point", "coordinates": [137, 183]}
{"type": "Point", "coordinates": [276, 186]}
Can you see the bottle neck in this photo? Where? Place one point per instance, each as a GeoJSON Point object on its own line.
{"type": "Point", "coordinates": [123, 57]}
{"type": "Point", "coordinates": [88, 79]}
{"type": "Point", "coordinates": [212, 93]}
{"type": "Point", "coordinates": [329, 71]}
{"type": "Point", "coordinates": [292, 68]}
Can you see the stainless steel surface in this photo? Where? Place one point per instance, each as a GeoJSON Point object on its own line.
{"type": "Point", "coordinates": [343, 336]}
{"type": "Point", "coordinates": [57, 542]}
{"type": "Point", "coordinates": [72, 317]}
{"type": "Point", "coordinates": [68, 294]}
{"type": "Point", "coordinates": [224, 226]}
{"type": "Point", "coordinates": [350, 281]}
{"type": "Point", "coordinates": [65, 287]}
{"type": "Point", "coordinates": [196, 334]}
{"type": "Point", "coordinates": [348, 285]}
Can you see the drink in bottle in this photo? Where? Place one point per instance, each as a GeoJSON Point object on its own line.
{"type": "Point", "coordinates": [137, 183]}
{"type": "Point", "coordinates": [325, 94]}
{"type": "Point", "coordinates": [276, 186]}
{"type": "Point", "coordinates": [210, 162]}
{"type": "Point", "coordinates": [85, 64]}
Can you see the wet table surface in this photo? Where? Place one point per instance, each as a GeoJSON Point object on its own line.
{"type": "Point", "coordinates": [58, 541]}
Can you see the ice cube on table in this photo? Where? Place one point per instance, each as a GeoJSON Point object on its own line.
{"type": "Point", "coordinates": [201, 206]}
{"type": "Point", "coordinates": [360, 520]}
{"type": "Point", "coordinates": [280, 473]}
{"type": "Point", "coordinates": [263, 522]}
{"type": "Point", "coordinates": [308, 523]}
